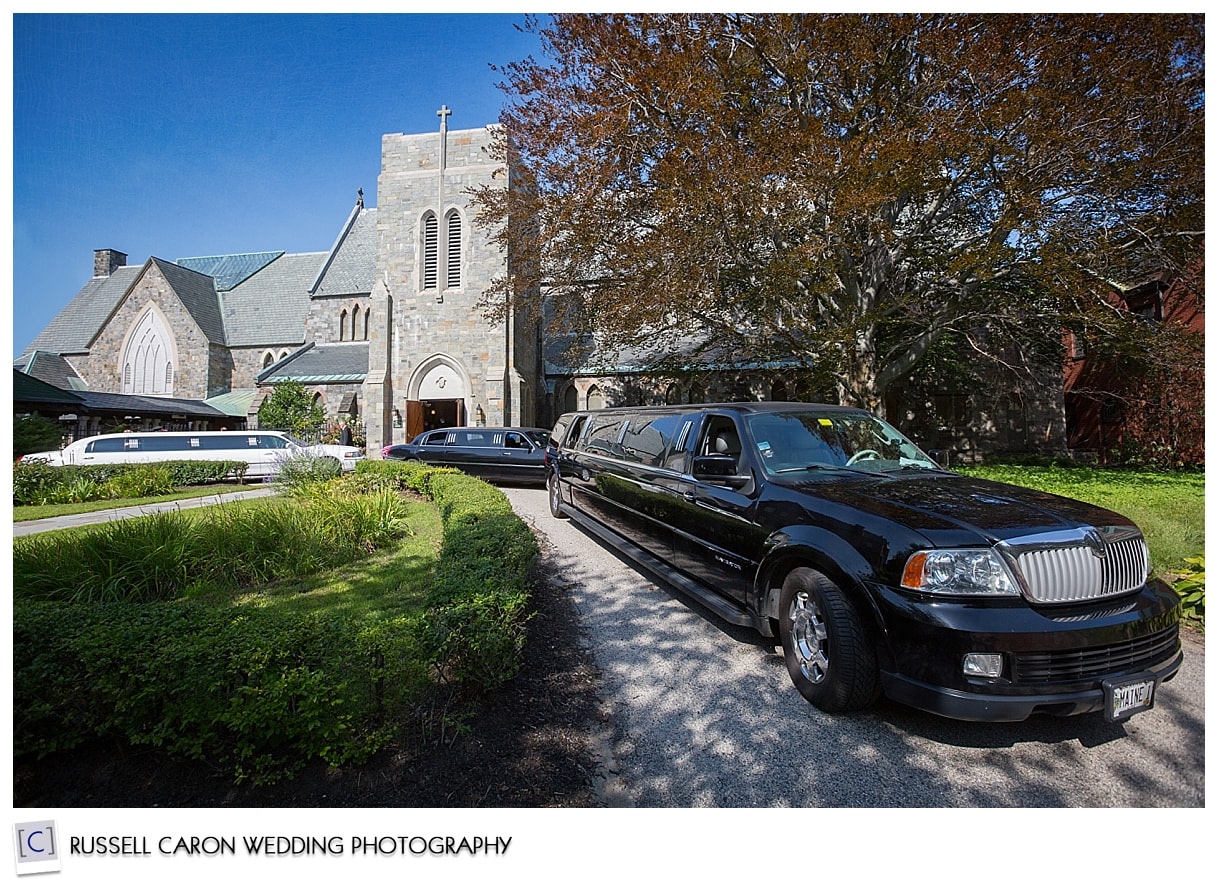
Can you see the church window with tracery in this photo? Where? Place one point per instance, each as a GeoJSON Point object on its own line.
{"type": "Point", "coordinates": [148, 358]}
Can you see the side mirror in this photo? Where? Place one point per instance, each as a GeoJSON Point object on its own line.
{"type": "Point", "coordinates": [719, 468]}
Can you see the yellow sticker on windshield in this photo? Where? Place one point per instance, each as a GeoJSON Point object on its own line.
{"type": "Point", "coordinates": [825, 422]}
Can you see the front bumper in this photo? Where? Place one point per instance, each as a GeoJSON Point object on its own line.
{"type": "Point", "coordinates": [1054, 661]}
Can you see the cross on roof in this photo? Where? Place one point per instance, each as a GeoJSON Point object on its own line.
{"type": "Point", "coordinates": [444, 114]}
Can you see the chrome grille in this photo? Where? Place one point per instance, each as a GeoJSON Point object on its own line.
{"type": "Point", "coordinates": [1077, 565]}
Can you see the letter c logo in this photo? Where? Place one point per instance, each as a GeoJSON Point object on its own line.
{"type": "Point", "coordinates": [29, 841]}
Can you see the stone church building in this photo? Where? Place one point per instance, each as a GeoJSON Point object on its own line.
{"type": "Point", "coordinates": [382, 329]}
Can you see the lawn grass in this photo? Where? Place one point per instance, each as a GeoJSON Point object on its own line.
{"type": "Point", "coordinates": [36, 512]}
{"type": "Point", "coordinates": [1168, 506]}
{"type": "Point", "coordinates": [389, 582]}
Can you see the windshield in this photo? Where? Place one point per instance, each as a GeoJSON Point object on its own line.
{"type": "Point", "coordinates": [800, 441]}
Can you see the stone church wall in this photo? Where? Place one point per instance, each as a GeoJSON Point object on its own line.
{"type": "Point", "coordinates": [192, 359]}
{"type": "Point", "coordinates": [445, 321]}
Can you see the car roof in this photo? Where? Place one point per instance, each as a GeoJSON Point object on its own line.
{"type": "Point", "coordinates": [740, 406]}
{"type": "Point", "coordinates": [486, 429]}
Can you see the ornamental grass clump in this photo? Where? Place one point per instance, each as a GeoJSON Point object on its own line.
{"type": "Point", "coordinates": [226, 548]}
{"type": "Point", "coordinates": [138, 560]}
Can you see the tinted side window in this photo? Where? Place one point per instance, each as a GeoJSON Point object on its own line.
{"type": "Point", "coordinates": [682, 443]}
{"type": "Point", "coordinates": [602, 436]}
{"type": "Point", "coordinates": [221, 442]}
{"type": "Point", "coordinates": [721, 438]}
{"type": "Point", "coordinates": [559, 432]}
{"type": "Point", "coordinates": [164, 443]}
{"type": "Point", "coordinates": [647, 437]}
{"type": "Point", "coordinates": [474, 439]}
{"type": "Point", "coordinates": [573, 436]}
{"type": "Point", "coordinates": [436, 439]}
{"type": "Point", "coordinates": [109, 445]}
{"type": "Point", "coordinates": [515, 441]}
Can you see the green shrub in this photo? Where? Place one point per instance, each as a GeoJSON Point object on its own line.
{"type": "Point", "coordinates": [41, 484]}
{"type": "Point", "coordinates": [255, 692]}
{"type": "Point", "coordinates": [35, 482]}
{"type": "Point", "coordinates": [148, 480]}
{"type": "Point", "coordinates": [474, 630]}
{"type": "Point", "coordinates": [35, 434]}
{"type": "Point", "coordinates": [1191, 588]}
{"type": "Point", "coordinates": [115, 635]}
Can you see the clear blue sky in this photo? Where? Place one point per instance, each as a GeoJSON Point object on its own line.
{"type": "Point", "coordinates": [187, 135]}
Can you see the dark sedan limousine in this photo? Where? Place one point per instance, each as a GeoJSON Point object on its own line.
{"type": "Point", "coordinates": [494, 453]}
{"type": "Point", "coordinates": [879, 571]}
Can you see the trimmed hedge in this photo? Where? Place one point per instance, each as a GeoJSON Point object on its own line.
{"type": "Point", "coordinates": [259, 691]}
{"type": "Point", "coordinates": [36, 483]}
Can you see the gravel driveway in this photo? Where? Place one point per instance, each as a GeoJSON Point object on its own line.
{"type": "Point", "coordinates": [703, 714]}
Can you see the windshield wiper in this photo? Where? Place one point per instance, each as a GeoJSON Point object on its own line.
{"type": "Point", "coordinates": [823, 467]}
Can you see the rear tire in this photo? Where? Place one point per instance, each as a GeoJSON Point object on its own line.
{"type": "Point", "coordinates": [554, 491]}
{"type": "Point", "coordinates": [828, 654]}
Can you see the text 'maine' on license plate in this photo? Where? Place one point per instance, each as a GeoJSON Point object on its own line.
{"type": "Point", "coordinates": [1128, 696]}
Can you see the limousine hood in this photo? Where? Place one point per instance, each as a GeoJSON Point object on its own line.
{"type": "Point", "coordinates": [949, 504]}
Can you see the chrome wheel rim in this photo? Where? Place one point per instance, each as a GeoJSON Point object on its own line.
{"type": "Point", "coordinates": [809, 638]}
{"type": "Point", "coordinates": [554, 498]}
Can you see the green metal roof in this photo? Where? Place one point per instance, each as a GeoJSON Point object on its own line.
{"type": "Point", "coordinates": [229, 270]}
{"type": "Point", "coordinates": [236, 403]}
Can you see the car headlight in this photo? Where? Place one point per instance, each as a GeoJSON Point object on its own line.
{"type": "Point", "coordinates": [960, 571]}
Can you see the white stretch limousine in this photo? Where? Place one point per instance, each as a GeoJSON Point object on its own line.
{"type": "Point", "coordinates": [262, 451]}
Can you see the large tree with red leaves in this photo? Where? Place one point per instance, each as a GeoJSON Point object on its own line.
{"type": "Point", "coordinates": [846, 190]}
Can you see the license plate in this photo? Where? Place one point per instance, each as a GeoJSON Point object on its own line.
{"type": "Point", "coordinates": [1126, 697]}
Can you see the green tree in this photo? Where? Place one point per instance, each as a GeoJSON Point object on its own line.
{"type": "Point", "coordinates": [35, 434]}
{"type": "Point", "coordinates": [846, 190]}
{"type": "Point", "coordinates": [289, 407]}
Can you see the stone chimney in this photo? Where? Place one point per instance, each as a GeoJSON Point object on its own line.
{"type": "Point", "coordinates": [106, 261]}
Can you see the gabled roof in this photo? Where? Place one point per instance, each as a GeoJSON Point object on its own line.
{"type": "Point", "coordinates": [79, 321]}
{"type": "Point", "coordinates": [197, 292]}
{"type": "Point", "coordinates": [50, 367]}
{"type": "Point", "coordinates": [330, 363]}
{"type": "Point", "coordinates": [31, 390]}
{"type": "Point", "coordinates": [350, 265]}
{"type": "Point", "coordinates": [269, 308]}
{"type": "Point", "coordinates": [229, 270]}
{"type": "Point", "coordinates": [77, 325]}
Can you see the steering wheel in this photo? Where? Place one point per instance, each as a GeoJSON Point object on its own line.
{"type": "Point", "coordinates": [863, 454]}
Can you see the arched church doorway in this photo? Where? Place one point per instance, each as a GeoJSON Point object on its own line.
{"type": "Point", "coordinates": [442, 413]}
{"type": "Point", "coordinates": [437, 399]}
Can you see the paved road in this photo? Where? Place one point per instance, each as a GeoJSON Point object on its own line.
{"type": "Point", "coordinates": [705, 715]}
{"type": "Point", "coordinates": [27, 528]}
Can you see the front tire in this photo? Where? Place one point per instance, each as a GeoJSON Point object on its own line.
{"type": "Point", "coordinates": [828, 654]}
{"type": "Point", "coordinates": [554, 491]}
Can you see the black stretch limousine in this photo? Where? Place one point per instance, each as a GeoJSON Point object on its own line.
{"type": "Point", "coordinates": [879, 571]}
